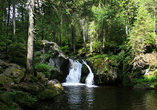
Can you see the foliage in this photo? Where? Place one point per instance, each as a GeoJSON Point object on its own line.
{"type": "Point", "coordinates": [37, 54]}
{"type": "Point", "coordinates": [45, 69]}
{"type": "Point", "coordinates": [142, 31]}
{"type": "Point", "coordinates": [17, 54]}
{"type": "Point", "coordinates": [14, 96]}
{"type": "Point", "coordinates": [145, 79]}
{"type": "Point", "coordinates": [38, 45]}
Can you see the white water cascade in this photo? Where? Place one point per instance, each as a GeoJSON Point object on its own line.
{"type": "Point", "coordinates": [74, 74]}
{"type": "Point", "coordinates": [90, 78]}
{"type": "Point", "coordinates": [73, 79]}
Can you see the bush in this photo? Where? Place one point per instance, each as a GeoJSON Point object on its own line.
{"type": "Point", "coordinates": [37, 54]}
{"type": "Point", "coordinates": [38, 45]}
{"type": "Point", "coordinates": [17, 54]}
{"type": "Point", "coordinates": [45, 69]}
{"type": "Point", "coordinates": [47, 57]}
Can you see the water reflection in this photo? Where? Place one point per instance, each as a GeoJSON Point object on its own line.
{"type": "Point", "coordinates": [89, 96]}
{"type": "Point", "coordinates": [103, 98]}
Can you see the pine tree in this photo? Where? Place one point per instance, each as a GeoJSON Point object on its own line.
{"type": "Point", "coordinates": [142, 31]}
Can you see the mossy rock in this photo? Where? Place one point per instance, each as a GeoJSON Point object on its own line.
{"type": "Point", "coordinates": [46, 94]}
{"type": "Point", "coordinates": [32, 88]}
{"type": "Point", "coordinates": [14, 73]}
{"type": "Point", "coordinates": [26, 99]}
{"type": "Point", "coordinates": [145, 86]}
{"type": "Point", "coordinates": [128, 80]}
{"type": "Point", "coordinates": [5, 103]}
{"type": "Point", "coordinates": [1, 70]}
{"type": "Point", "coordinates": [6, 82]}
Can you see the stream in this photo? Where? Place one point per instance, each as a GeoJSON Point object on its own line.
{"type": "Point", "coordinates": [102, 98]}
{"type": "Point", "coordinates": [88, 96]}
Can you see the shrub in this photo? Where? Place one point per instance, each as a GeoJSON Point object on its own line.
{"type": "Point", "coordinates": [45, 69]}
{"type": "Point", "coordinates": [38, 45]}
{"type": "Point", "coordinates": [37, 54]}
{"type": "Point", "coordinates": [17, 54]}
{"type": "Point", "coordinates": [47, 57]}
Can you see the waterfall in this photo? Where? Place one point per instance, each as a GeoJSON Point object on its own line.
{"type": "Point", "coordinates": [74, 77]}
{"type": "Point", "coordinates": [90, 78]}
{"type": "Point", "coordinates": [74, 73]}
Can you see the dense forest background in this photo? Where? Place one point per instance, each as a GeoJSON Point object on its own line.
{"type": "Point", "coordinates": [120, 29]}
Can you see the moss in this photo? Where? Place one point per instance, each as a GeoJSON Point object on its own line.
{"type": "Point", "coordinates": [144, 86]}
{"type": "Point", "coordinates": [6, 81]}
{"type": "Point", "coordinates": [1, 70]}
{"type": "Point", "coordinates": [47, 94]}
{"type": "Point", "coordinates": [17, 74]}
{"type": "Point", "coordinates": [26, 99]}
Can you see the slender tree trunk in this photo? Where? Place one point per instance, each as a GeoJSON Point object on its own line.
{"type": "Point", "coordinates": [91, 43]}
{"type": "Point", "coordinates": [73, 39]}
{"type": "Point", "coordinates": [7, 30]}
{"type": "Point", "coordinates": [126, 29]}
{"type": "Point", "coordinates": [30, 48]}
{"type": "Point", "coordinates": [14, 28]}
{"type": "Point", "coordinates": [84, 34]}
{"type": "Point", "coordinates": [60, 30]}
{"type": "Point", "coordinates": [43, 14]}
{"type": "Point", "coordinates": [154, 19]}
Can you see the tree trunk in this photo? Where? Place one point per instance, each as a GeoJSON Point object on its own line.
{"type": "Point", "coordinates": [91, 43]}
{"type": "Point", "coordinates": [30, 48]}
{"type": "Point", "coordinates": [60, 30]}
{"type": "Point", "coordinates": [126, 29]}
{"type": "Point", "coordinates": [73, 39]}
{"type": "Point", "coordinates": [84, 35]}
{"type": "Point", "coordinates": [14, 28]}
{"type": "Point", "coordinates": [154, 19]}
{"type": "Point", "coordinates": [7, 30]}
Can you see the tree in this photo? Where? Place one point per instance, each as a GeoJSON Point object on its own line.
{"type": "Point", "coordinates": [142, 32]}
{"type": "Point", "coordinates": [7, 28]}
{"type": "Point", "coordinates": [14, 28]}
{"type": "Point", "coordinates": [30, 44]}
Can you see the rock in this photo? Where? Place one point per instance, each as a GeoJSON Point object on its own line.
{"type": "Point", "coordinates": [142, 62]}
{"type": "Point", "coordinates": [128, 80]}
{"type": "Point", "coordinates": [84, 73]}
{"type": "Point", "coordinates": [144, 86]}
{"type": "Point", "coordinates": [104, 73]}
{"type": "Point", "coordinates": [5, 82]}
{"type": "Point", "coordinates": [57, 61]}
{"type": "Point", "coordinates": [14, 72]}
{"type": "Point", "coordinates": [56, 83]}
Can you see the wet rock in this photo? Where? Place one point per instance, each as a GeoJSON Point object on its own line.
{"type": "Point", "coordinates": [144, 61]}
{"type": "Point", "coordinates": [144, 86]}
{"type": "Point", "coordinates": [104, 73]}
{"type": "Point", "coordinates": [128, 80]}
{"type": "Point", "coordinates": [57, 61]}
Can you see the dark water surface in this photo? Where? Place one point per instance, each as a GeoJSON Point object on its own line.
{"type": "Point", "coordinates": [103, 98]}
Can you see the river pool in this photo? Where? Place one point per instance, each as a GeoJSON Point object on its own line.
{"type": "Point", "coordinates": [102, 98]}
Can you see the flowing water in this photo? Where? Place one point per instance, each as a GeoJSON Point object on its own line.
{"type": "Point", "coordinates": [90, 78]}
{"type": "Point", "coordinates": [102, 98]}
{"type": "Point", "coordinates": [74, 74]}
{"type": "Point", "coordinates": [79, 96]}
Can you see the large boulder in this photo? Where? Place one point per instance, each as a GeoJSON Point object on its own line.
{"type": "Point", "coordinates": [11, 74]}
{"type": "Point", "coordinates": [142, 62]}
{"type": "Point", "coordinates": [52, 55]}
{"type": "Point", "coordinates": [104, 72]}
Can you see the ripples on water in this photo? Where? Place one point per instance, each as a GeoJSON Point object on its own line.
{"type": "Point", "coordinates": [102, 98]}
